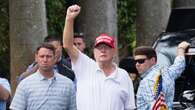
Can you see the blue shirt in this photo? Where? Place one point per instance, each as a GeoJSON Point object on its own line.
{"type": "Point", "coordinates": [6, 85]}
{"type": "Point", "coordinates": [145, 94]}
{"type": "Point", "coordinates": [38, 93]}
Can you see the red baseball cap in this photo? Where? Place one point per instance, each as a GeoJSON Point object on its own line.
{"type": "Point", "coordinates": [104, 38]}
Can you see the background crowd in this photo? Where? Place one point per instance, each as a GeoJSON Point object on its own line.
{"type": "Point", "coordinates": [80, 82]}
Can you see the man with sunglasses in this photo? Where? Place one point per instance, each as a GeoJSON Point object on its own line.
{"type": "Point", "coordinates": [146, 59]}
{"type": "Point", "coordinates": [101, 84]}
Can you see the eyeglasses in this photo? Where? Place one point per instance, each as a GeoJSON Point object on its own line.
{"type": "Point", "coordinates": [102, 46]}
{"type": "Point", "coordinates": [140, 61]}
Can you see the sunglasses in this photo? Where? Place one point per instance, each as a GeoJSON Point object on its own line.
{"type": "Point", "coordinates": [140, 61]}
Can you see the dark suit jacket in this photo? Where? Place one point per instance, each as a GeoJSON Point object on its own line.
{"type": "Point", "coordinates": [64, 68]}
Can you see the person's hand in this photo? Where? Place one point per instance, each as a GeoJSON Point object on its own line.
{"type": "Point", "coordinates": [183, 45]}
{"type": "Point", "coordinates": [73, 11]}
{"type": "Point", "coordinates": [182, 48]}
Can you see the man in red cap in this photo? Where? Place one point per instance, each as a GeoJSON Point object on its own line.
{"type": "Point", "coordinates": [101, 84]}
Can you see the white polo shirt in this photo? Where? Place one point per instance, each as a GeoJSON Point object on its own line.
{"type": "Point", "coordinates": [95, 91]}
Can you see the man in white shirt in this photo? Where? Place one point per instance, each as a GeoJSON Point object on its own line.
{"type": "Point", "coordinates": [101, 84]}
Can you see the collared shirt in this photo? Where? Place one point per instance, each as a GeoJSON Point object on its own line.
{"type": "Point", "coordinates": [145, 94]}
{"type": "Point", "coordinates": [95, 91]}
{"type": "Point", "coordinates": [38, 93]}
{"type": "Point", "coordinates": [4, 82]}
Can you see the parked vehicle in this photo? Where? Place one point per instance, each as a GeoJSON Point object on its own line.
{"type": "Point", "coordinates": [181, 27]}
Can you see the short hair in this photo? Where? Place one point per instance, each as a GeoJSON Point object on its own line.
{"type": "Point", "coordinates": [79, 35]}
{"type": "Point", "coordinates": [47, 46]}
{"type": "Point", "coordinates": [149, 52]}
{"type": "Point", "coordinates": [51, 38]}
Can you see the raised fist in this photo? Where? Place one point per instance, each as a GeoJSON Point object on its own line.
{"type": "Point", "coordinates": [72, 11]}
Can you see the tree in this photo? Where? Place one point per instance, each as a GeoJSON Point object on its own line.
{"type": "Point", "coordinates": [27, 30]}
{"type": "Point", "coordinates": [152, 19]}
{"type": "Point", "coordinates": [97, 16]}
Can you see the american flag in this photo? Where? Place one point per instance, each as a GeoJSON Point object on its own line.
{"type": "Point", "coordinates": [159, 100]}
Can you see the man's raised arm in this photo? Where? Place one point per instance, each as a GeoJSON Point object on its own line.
{"type": "Point", "coordinates": [71, 14]}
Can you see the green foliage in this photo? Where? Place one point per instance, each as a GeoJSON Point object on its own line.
{"type": "Point", "coordinates": [55, 21]}
{"type": "Point", "coordinates": [126, 26]}
{"type": "Point", "coordinates": [4, 38]}
{"type": "Point", "coordinates": [55, 16]}
{"type": "Point", "coordinates": [126, 22]}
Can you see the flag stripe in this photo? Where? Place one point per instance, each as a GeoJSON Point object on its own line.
{"type": "Point", "coordinates": [159, 100]}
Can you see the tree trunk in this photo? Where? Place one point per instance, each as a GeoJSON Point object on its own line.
{"type": "Point", "coordinates": [97, 16]}
{"type": "Point", "coordinates": [152, 19]}
{"type": "Point", "coordinates": [184, 4]}
{"type": "Point", "coordinates": [27, 30]}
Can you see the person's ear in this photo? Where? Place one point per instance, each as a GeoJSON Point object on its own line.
{"type": "Point", "coordinates": [153, 60]}
{"type": "Point", "coordinates": [55, 59]}
{"type": "Point", "coordinates": [36, 57]}
{"type": "Point", "coordinates": [84, 45]}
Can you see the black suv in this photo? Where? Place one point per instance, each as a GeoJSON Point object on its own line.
{"type": "Point", "coordinates": [181, 27]}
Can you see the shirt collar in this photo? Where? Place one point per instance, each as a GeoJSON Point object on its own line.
{"type": "Point", "coordinates": [41, 77]}
{"type": "Point", "coordinates": [148, 71]}
{"type": "Point", "coordinates": [113, 76]}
